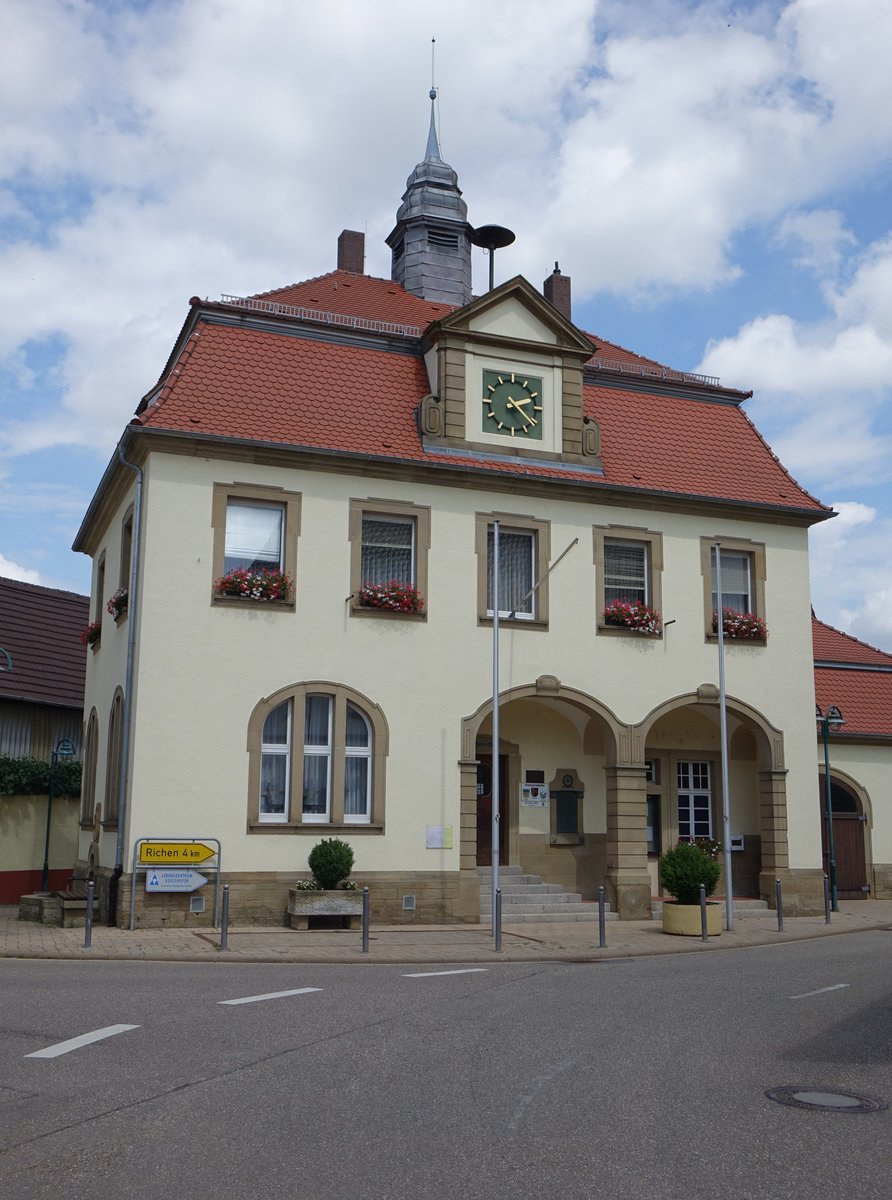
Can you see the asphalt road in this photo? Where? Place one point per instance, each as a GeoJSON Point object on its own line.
{"type": "Point", "coordinates": [626, 1078]}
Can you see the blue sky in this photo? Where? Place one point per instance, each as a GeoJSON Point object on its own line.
{"type": "Point", "coordinates": [716, 179]}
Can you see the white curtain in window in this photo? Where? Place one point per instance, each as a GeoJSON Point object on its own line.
{"type": "Point", "coordinates": [735, 582]}
{"type": "Point", "coordinates": [275, 763]}
{"type": "Point", "coordinates": [625, 575]}
{"type": "Point", "coordinates": [387, 550]}
{"type": "Point", "coordinates": [516, 552]}
{"type": "Point", "coordinates": [253, 535]}
{"type": "Point", "coordinates": [317, 756]}
{"type": "Point", "coordinates": [357, 767]}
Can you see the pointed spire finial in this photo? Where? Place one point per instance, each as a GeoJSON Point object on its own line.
{"type": "Point", "coordinates": [433, 145]}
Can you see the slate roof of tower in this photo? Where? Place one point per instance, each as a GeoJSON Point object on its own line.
{"type": "Point", "coordinates": [283, 384]}
{"type": "Point", "coordinates": [855, 677]}
{"type": "Point", "coordinates": [40, 628]}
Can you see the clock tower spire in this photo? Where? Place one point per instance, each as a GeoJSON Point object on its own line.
{"type": "Point", "coordinates": [431, 241]}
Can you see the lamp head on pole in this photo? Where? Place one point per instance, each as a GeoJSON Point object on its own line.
{"type": "Point", "coordinates": [832, 718]}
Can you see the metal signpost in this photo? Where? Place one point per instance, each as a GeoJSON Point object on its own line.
{"type": "Point", "coordinates": [167, 866]}
{"type": "Point", "coordinates": [723, 725]}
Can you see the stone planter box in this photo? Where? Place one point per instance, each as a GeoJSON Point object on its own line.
{"type": "Point", "coordinates": [684, 919]}
{"type": "Point", "coordinates": [304, 906]}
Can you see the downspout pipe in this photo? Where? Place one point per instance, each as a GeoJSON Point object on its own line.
{"type": "Point", "coordinates": [132, 600]}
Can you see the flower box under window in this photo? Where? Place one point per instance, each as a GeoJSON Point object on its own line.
{"type": "Point", "coordinates": [391, 597]}
{"type": "Point", "coordinates": [92, 634]}
{"type": "Point", "coordinates": [117, 603]}
{"type": "Point", "coordinates": [741, 626]}
{"type": "Point", "coordinates": [255, 583]}
{"type": "Point", "coordinates": [634, 615]}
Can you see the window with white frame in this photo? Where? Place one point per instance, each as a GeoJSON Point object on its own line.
{"type": "Point", "coordinates": [694, 799]}
{"type": "Point", "coordinates": [317, 759]}
{"type": "Point", "coordinates": [625, 572]}
{"type": "Point", "coordinates": [737, 589]}
{"type": "Point", "coordinates": [389, 544]}
{"type": "Point", "coordinates": [517, 572]}
{"type": "Point", "coordinates": [388, 549]}
{"type": "Point", "coordinates": [254, 535]}
{"type": "Point", "coordinates": [524, 550]}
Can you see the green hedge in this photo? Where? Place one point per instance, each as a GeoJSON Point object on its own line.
{"type": "Point", "coordinates": [31, 777]}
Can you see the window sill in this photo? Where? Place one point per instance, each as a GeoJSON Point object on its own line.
{"type": "Point", "coordinates": [625, 631]}
{"type": "Point", "coordinates": [218, 601]}
{"type": "Point", "coordinates": [389, 614]}
{"type": "Point", "coordinates": [110, 824]}
{"type": "Point", "coordinates": [94, 646]}
{"type": "Point", "coordinates": [737, 641]}
{"type": "Point", "coordinates": [121, 617]}
{"type": "Point", "coordinates": [513, 623]}
{"type": "Point", "coordinates": [255, 826]}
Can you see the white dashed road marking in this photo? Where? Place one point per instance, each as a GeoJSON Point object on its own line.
{"type": "Point", "coordinates": [835, 987]}
{"type": "Point", "coordinates": [270, 996]}
{"type": "Point", "coordinates": [430, 974]}
{"type": "Point", "coordinates": [84, 1040]}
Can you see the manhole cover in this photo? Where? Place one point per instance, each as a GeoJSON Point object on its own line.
{"type": "Point", "coordinates": [820, 1101]}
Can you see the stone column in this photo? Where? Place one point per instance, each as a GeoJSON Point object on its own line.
{"type": "Point", "coordinates": [467, 907]}
{"type": "Point", "coordinates": [628, 879]}
{"type": "Point", "coordinates": [803, 888]}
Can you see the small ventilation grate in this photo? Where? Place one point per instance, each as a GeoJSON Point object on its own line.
{"type": "Point", "coordinates": [439, 237]}
{"type": "Point", "coordinates": [196, 904]}
{"type": "Point", "coordinates": [408, 903]}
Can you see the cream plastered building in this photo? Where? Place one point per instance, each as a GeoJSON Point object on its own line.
{"type": "Point", "coordinates": [351, 431]}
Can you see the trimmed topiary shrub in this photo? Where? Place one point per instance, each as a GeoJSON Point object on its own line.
{"type": "Point", "coordinates": [331, 861]}
{"type": "Point", "coordinates": [685, 867]}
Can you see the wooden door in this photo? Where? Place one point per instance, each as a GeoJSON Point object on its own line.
{"type": "Point", "coordinates": [484, 810]}
{"type": "Point", "coordinates": [848, 844]}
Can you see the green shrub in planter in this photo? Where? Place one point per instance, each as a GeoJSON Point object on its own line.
{"type": "Point", "coordinates": [331, 861]}
{"type": "Point", "coordinates": [684, 868]}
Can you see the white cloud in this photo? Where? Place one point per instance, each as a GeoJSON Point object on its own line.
{"type": "Point", "coordinates": [12, 570]}
{"type": "Point", "coordinates": [821, 236]}
{"type": "Point", "coordinates": [851, 573]}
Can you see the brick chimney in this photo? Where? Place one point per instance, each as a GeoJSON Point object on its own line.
{"type": "Point", "coordinates": [351, 252]}
{"type": "Point", "coordinates": [556, 288]}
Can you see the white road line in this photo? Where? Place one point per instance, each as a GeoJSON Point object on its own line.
{"type": "Point", "coordinates": [270, 996]}
{"type": "Point", "coordinates": [463, 971]}
{"type": "Point", "coordinates": [84, 1040]}
{"type": "Point", "coordinates": [834, 987]}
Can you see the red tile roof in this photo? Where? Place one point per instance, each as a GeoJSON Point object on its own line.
{"type": "Point", "coordinates": [862, 688]}
{"type": "Point", "coordinates": [360, 296]}
{"type": "Point", "coordinates": [40, 628]}
{"type": "Point", "coordinates": [242, 382]}
{"type": "Point", "coordinates": [832, 645]}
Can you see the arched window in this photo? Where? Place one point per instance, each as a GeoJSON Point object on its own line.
{"type": "Point", "coordinates": [317, 757]}
{"type": "Point", "coordinates": [88, 776]}
{"type": "Point", "coordinates": [113, 760]}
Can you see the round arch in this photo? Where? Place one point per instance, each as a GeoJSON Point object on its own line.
{"type": "Point", "coordinates": [769, 739]}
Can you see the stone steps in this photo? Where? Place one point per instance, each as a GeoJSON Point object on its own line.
{"type": "Point", "coordinates": [528, 899]}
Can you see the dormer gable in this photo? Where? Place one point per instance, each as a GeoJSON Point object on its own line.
{"type": "Point", "coordinates": [505, 375]}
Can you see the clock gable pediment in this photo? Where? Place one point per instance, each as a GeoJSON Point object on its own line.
{"type": "Point", "coordinates": [478, 360]}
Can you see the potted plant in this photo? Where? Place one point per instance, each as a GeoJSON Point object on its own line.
{"type": "Point", "coordinates": [117, 603]}
{"type": "Point", "coordinates": [329, 893]}
{"type": "Point", "coordinates": [742, 626]}
{"type": "Point", "coordinates": [91, 635]}
{"type": "Point", "coordinates": [391, 597]}
{"type": "Point", "coordinates": [682, 870]}
{"type": "Point", "coordinates": [254, 583]}
{"type": "Point", "coordinates": [633, 614]}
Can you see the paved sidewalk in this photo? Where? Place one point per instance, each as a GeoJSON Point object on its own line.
{"type": "Point", "coordinates": [571, 942]}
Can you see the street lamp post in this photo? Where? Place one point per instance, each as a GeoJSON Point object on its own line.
{"type": "Point", "coordinates": [832, 717]}
{"type": "Point", "coordinates": [64, 750]}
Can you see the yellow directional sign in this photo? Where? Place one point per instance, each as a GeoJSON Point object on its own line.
{"type": "Point", "coordinates": [174, 854]}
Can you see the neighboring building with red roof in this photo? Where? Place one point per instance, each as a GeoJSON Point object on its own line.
{"type": "Point", "coordinates": [856, 679]}
{"type": "Point", "coordinates": [42, 670]}
{"type": "Point", "coordinates": [305, 510]}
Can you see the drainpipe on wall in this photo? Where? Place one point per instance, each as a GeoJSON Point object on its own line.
{"type": "Point", "coordinates": [123, 778]}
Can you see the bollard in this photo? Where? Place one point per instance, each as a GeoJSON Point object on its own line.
{"type": "Point", "coordinates": [498, 920]}
{"type": "Point", "coordinates": [704, 933]}
{"type": "Point", "coordinates": [826, 900]}
{"type": "Point", "coordinates": [88, 917]}
{"type": "Point", "coordinates": [779, 900]}
{"type": "Point", "coordinates": [365, 920]}
{"type": "Point", "coordinates": [224, 922]}
{"type": "Point", "coordinates": [602, 936]}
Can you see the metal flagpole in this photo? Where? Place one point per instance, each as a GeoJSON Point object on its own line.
{"type": "Point", "coordinates": [495, 720]}
{"type": "Point", "coordinates": [723, 724]}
